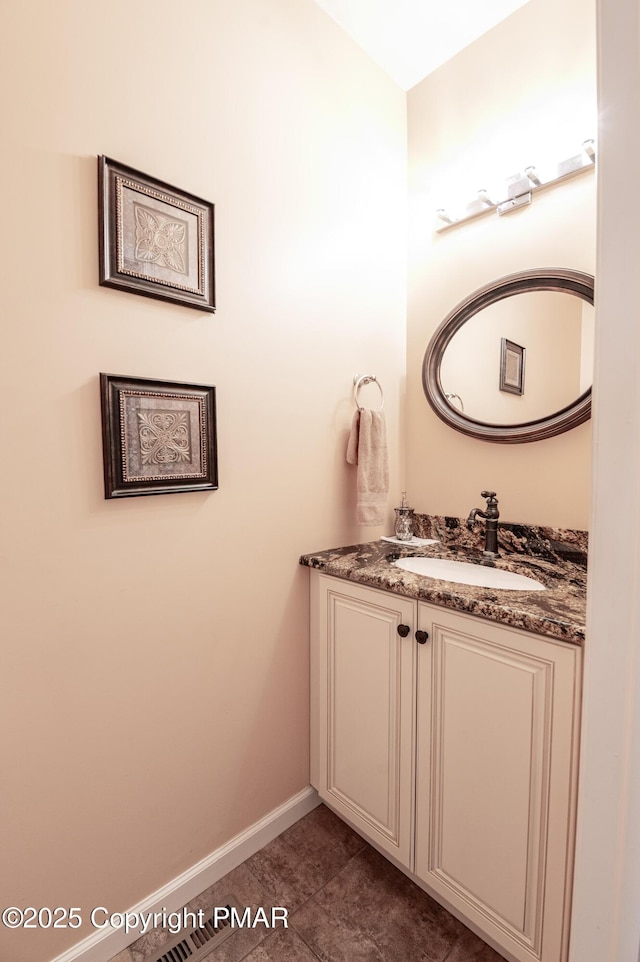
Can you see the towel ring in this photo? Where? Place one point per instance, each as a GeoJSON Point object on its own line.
{"type": "Point", "coordinates": [359, 381]}
{"type": "Point", "coordinates": [450, 398]}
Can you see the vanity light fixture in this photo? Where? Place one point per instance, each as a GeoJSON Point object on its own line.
{"type": "Point", "coordinates": [484, 198]}
{"type": "Point", "coordinates": [519, 194]}
{"type": "Point", "coordinates": [444, 217]}
{"type": "Point", "coordinates": [532, 174]}
{"type": "Point", "coordinates": [520, 188]}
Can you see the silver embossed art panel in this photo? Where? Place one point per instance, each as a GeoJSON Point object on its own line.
{"type": "Point", "coordinates": [161, 437]}
{"type": "Point", "coordinates": [154, 239]}
{"type": "Point", "coordinates": [158, 436]}
{"type": "Point", "coordinates": [157, 240]}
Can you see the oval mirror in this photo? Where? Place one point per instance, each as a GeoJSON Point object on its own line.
{"type": "Point", "coordinates": [515, 369]}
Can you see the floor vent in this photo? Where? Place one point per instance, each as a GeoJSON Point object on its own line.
{"type": "Point", "coordinates": [193, 944]}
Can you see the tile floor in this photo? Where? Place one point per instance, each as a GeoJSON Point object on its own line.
{"type": "Point", "coordinates": [346, 904]}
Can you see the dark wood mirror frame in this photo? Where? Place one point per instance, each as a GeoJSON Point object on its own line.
{"type": "Point", "coordinates": [569, 281]}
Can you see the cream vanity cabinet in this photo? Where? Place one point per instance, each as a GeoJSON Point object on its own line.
{"type": "Point", "coordinates": [456, 756]}
{"type": "Point", "coordinates": [363, 675]}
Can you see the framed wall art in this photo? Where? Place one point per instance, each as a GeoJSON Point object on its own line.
{"type": "Point", "coordinates": [155, 240]}
{"type": "Point", "coordinates": [158, 437]}
{"type": "Point", "coordinates": [511, 367]}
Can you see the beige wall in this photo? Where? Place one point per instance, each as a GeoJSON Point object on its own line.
{"type": "Point", "coordinates": [524, 93]}
{"type": "Point", "coordinates": [154, 662]}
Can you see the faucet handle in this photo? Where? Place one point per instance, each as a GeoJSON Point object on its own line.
{"type": "Point", "coordinates": [489, 495]}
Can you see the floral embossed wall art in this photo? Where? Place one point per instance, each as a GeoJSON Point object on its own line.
{"type": "Point", "coordinates": [155, 239]}
{"type": "Point", "coordinates": [158, 437]}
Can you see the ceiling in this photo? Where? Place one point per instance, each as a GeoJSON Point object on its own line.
{"type": "Point", "coordinates": [410, 38]}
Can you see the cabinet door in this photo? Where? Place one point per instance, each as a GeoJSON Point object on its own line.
{"type": "Point", "coordinates": [362, 709]}
{"type": "Point", "coordinates": [496, 770]}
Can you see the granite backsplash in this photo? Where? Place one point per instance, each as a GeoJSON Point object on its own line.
{"type": "Point", "coordinates": [536, 541]}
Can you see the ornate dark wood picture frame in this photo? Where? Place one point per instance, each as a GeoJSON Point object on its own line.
{"type": "Point", "coordinates": [158, 437]}
{"type": "Point", "coordinates": [512, 357]}
{"type": "Point", "coordinates": [155, 240]}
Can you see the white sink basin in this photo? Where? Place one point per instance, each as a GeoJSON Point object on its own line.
{"type": "Point", "coordinates": [469, 574]}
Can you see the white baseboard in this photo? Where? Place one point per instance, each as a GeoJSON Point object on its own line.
{"type": "Point", "coordinates": [101, 946]}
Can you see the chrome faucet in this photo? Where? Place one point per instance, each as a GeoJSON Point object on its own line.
{"type": "Point", "coordinates": [491, 530]}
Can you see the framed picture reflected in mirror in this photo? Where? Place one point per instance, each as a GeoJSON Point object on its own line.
{"type": "Point", "coordinates": [512, 357]}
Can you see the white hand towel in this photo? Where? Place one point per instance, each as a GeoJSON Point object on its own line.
{"type": "Point", "coordinates": [367, 448]}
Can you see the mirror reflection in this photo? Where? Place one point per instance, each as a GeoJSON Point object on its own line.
{"type": "Point", "coordinates": [513, 362]}
{"type": "Point", "coordinates": [521, 358]}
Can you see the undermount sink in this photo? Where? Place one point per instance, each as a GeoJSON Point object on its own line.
{"type": "Point", "coordinates": [465, 573]}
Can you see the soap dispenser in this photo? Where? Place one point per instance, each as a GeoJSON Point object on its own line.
{"type": "Point", "coordinates": [404, 520]}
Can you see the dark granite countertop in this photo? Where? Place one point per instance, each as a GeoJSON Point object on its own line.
{"type": "Point", "coordinates": [555, 557]}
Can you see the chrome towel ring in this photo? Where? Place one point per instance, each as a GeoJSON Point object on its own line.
{"type": "Point", "coordinates": [359, 381]}
{"type": "Point", "coordinates": [450, 398]}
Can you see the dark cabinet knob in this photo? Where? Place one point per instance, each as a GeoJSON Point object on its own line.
{"type": "Point", "coordinates": [422, 637]}
{"type": "Point", "coordinates": [403, 630]}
